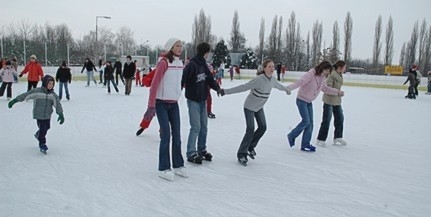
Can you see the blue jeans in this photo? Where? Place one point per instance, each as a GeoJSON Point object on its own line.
{"type": "Point", "coordinates": [66, 88]}
{"type": "Point", "coordinates": [328, 110]}
{"type": "Point", "coordinates": [90, 74]}
{"type": "Point", "coordinates": [108, 82]}
{"type": "Point", "coordinates": [306, 125]}
{"type": "Point", "coordinates": [198, 127]}
{"type": "Point", "coordinates": [168, 115]}
{"type": "Point", "coordinates": [251, 137]}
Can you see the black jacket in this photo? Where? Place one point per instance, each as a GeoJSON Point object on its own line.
{"type": "Point", "coordinates": [109, 72]}
{"type": "Point", "coordinates": [63, 75]}
{"type": "Point", "coordinates": [129, 70]}
{"type": "Point", "coordinates": [196, 79]}
{"type": "Point", "coordinates": [118, 66]}
{"type": "Point", "coordinates": [89, 66]}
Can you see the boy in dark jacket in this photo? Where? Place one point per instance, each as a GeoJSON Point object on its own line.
{"type": "Point", "coordinates": [44, 99]}
{"type": "Point", "coordinates": [63, 77]}
{"type": "Point", "coordinates": [196, 79]}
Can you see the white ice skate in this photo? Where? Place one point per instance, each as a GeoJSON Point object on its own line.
{"type": "Point", "coordinates": [181, 172]}
{"type": "Point", "coordinates": [340, 141]}
{"type": "Point", "coordinates": [321, 143]}
{"type": "Point", "coordinates": [167, 174]}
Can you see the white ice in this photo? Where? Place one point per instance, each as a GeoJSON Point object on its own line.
{"type": "Point", "coordinates": [96, 166]}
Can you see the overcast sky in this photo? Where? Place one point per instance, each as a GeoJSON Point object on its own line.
{"type": "Point", "coordinates": [156, 21]}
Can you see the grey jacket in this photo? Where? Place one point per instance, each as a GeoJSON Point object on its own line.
{"type": "Point", "coordinates": [334, 80]}
{"type": "Point", "coordinates": [260, 88]}
{"type": "Point", "coordinates": [43, 101]}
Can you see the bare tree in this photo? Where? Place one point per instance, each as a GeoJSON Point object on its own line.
{"type": "Point", "coordinates": [412, 46]}
{"type": "Point", "coordinates": [261, 36]}
{"type": "Point", "coordinates": [403, 54]}
{"type": "Point", "coordinates": [201, 29]}
{"type": "Point", "coordinates": [291, 40]}
{"type": "Point", "coordinates": [237, 39]}
{"type": "Point", "coordinates": [308, 57]}
{"type": "Point", "coordinates": [377, 41]}
{"type": "Point", "coordinates": [298, 47]}
{"type": "Point", "coordinates": [422, 34]}
{"type": "Point", "coordinates": [348, 29]}
{"type": "Point", "coordinates": [427, 51]}
{"type": "Point", "coordinates": [279, 43]}
{"type": "Point", "coordinates": [124, 41]}
{"type": "Point", "coordinates": [272, 41]}
{"type": "Point", "coordinates": [317, 42]}
{"type": "Point", "coordinates": [389, 50]}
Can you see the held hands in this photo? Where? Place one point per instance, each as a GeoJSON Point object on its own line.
{"type": "Point", "coordinates": [340, 93]}
{"type": "Point", "coordinates": [60, 118]}
{"type": "Point", "coordinates": [220, 92]}
{"type": "Point", "coordinates": [288, 91]}
{"type": "Point", "coordinates": [20, 75]}
{"type": "Point", "coordinates": [11, 103]}
{"type": "Point", "coordinates": [150, 113]}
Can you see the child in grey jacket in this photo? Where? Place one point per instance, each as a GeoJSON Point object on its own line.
{"type": "Point", "coordinates": [260, 89]}
{"type": "Point", "coordinates": [44, 99]}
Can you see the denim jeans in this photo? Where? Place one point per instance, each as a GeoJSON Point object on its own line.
{"type": "Point", "coordinates": [328, 110]}
{"type": "Point", "coordinates": [43, 126]}
{"type": "Point", "coordinates": [198, 127]}
{"type": "Point", "coordinates": [66, 88]}
{"type": "Point", "coordinates": [168, 115]}
{"type": "Point", "coordinates": [306, 125]}
{"type": "Point", "coordinates": [251, 137]}
{"type": "Point", "coordinates": [90, 74]}
{"type": "Point", "coordinates": [108, 82]}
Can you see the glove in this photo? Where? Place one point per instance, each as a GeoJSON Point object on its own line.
{"type": "Point", "coordinates": [149, 114]}
{"type": "Point", "coordinates": [60, 118]}
{"type": "Point", "coordinates": [288, 91]}
{"type": "Point", "coordinates": [220, 92]}
{"type": "Point", "coordinates": [20, 75]}
{"type": "Point", "coordinates": [11, 103]}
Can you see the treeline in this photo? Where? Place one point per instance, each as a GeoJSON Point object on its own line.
{"type": "Point", "coordinates": [285, 43]}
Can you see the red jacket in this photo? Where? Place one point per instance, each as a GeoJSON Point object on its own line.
{"type": "Point", "coordinates": [34, 70]}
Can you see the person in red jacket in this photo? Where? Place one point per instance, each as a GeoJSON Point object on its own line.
{"type": "Point", "coordinates": [35, 72]}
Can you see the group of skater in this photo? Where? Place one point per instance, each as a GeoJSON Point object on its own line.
{"type": "Point", "coordinates": [414, 78]}
{"type": "Point", "coordinates": [196, 78]}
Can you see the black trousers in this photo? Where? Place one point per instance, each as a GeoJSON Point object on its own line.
{"type": "Point", "coordinates": [8, 87]}
{"type": "Point", "coordinates": [31, 85]}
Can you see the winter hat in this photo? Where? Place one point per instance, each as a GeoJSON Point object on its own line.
{"type": "Point", "coordinates": [33, 57]}
{"type": "Point", "coordinates": [170, 43]}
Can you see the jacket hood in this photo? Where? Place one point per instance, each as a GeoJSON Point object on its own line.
{"type": "Point", "coordinates": [45, 81]}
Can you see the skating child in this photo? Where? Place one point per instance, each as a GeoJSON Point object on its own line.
{"type": "Point", "coordinates": [7, 74]}
{"type": "Point", "coordinates": [109, 77]}
{"type": "Point", "coordinates": [260, 88]}
{"type": "Point", "coordinates": [44, 99]}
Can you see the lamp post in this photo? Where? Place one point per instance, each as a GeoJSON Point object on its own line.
{"type": "Point", "coordinates": [142, 44]}
{"type": "Point", "coordinates": [97, 17]}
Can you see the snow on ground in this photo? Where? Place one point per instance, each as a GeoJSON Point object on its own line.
{"type": "Point", "coordinates": [96, 166]}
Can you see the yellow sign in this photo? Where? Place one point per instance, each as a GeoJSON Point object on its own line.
{"type": "Point", "coordinates": [394, 70]}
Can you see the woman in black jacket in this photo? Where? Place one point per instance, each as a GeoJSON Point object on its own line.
{"type": "Point", "coordinates": [109, 77]}
{"type": "Point", "coordinates": [63, 77]}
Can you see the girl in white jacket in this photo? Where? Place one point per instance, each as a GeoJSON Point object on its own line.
{"type": "Point", "coordinates": [7, 74]}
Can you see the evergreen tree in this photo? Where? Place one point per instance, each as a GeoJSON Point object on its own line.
{"type": "Point", "coordinates": [221, 54]}
{"type": "Point", "coordinates": [249, 61]}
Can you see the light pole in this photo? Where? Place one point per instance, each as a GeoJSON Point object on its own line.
{"type": "Point", "coordinates": [142, 44]}
{"type": "Point", "coordinates": [97, 17]}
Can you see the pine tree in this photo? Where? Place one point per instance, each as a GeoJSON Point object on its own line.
{"type": "Point", "coordinates": [249, 61]}
{"type": "Point", "coordinates": [221, 54]}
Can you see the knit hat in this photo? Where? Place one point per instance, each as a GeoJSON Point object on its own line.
{"type": "Point", "coordinates": [170, 43]}
{"type": "Point", "coordinates": [33, 57]}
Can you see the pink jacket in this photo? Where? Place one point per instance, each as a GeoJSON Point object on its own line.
{"type": "Point", "coordinates": [310, 86]}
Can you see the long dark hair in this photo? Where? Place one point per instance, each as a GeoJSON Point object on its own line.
{"type": "Point", "coordinates": [264, 64]}
{"type": "Point", "coordinates": [322, 66]}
